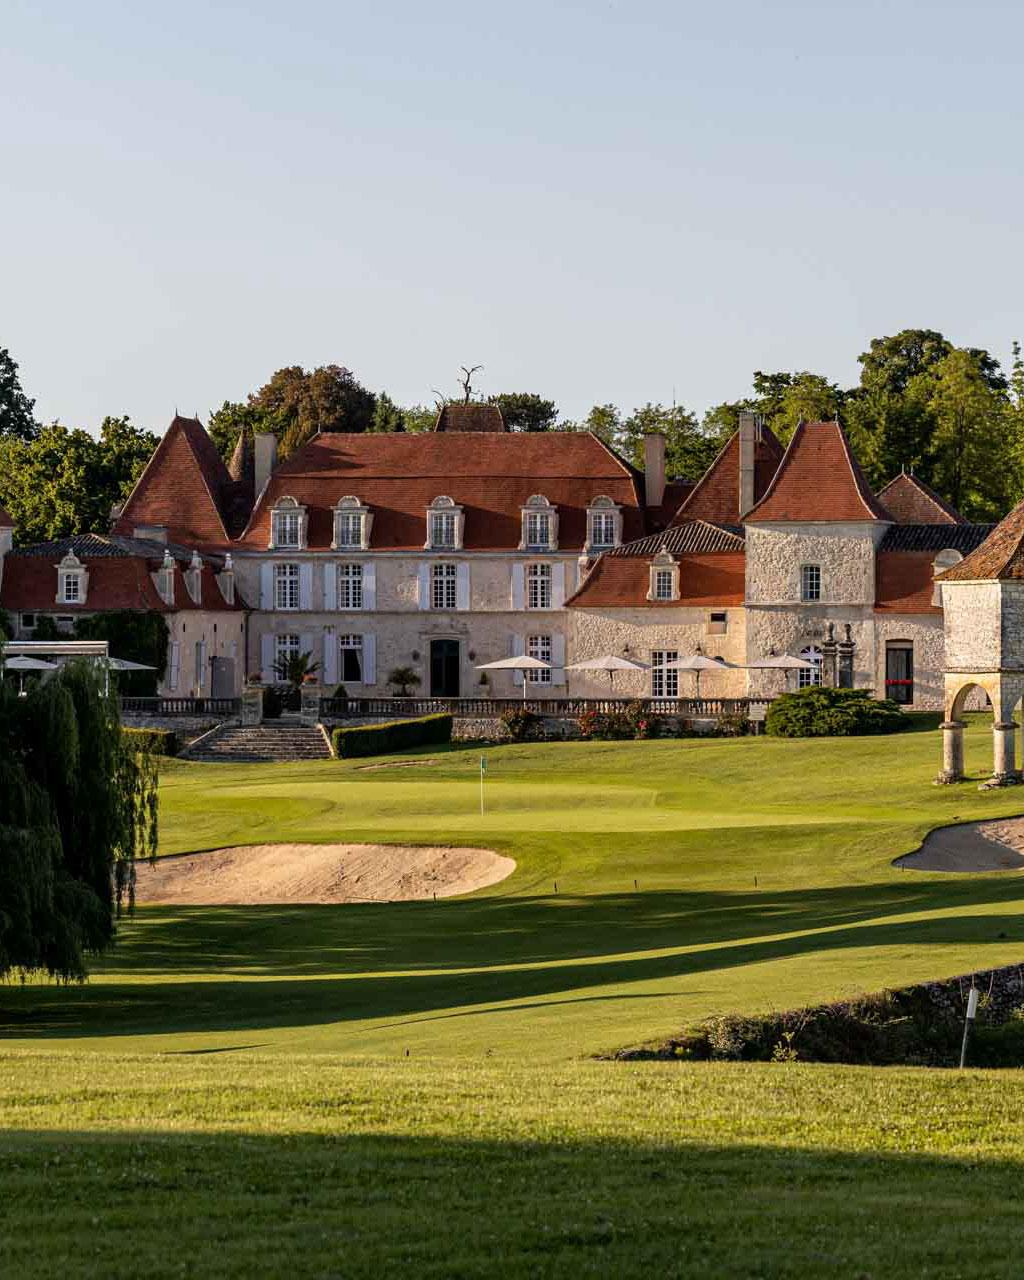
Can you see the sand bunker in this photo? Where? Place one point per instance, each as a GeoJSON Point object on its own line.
{"type": "Point", "coordinates": [972, 846]}
{"type": "Point", "coordinates": [265, 874]}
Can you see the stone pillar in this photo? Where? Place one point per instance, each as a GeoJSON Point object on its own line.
{"type": "Point", "coordinates": [1004, 753]}
{"type": "Point", "coordinates": [252, 704]}
{"type": "Point", "coordinates": [309, 703]}
{"type": "Point", "coordinates": [952, 752]}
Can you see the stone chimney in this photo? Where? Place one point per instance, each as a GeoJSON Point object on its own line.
{"type": "Point", "coordinates": [750, 434]}
{"type": "Point", "coordinates": [264, 458]}
{"type": "Point", "coordinates": [654, 468]}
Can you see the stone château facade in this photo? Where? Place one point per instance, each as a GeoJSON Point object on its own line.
{"type": "Point", "coordinates": [445, 550]}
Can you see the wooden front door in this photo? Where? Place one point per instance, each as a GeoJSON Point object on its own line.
{"type": "Point", "coordinates": [444, 668]}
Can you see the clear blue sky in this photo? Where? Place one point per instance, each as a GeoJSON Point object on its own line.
{"type": "Point", "coordinates": [596, 201]}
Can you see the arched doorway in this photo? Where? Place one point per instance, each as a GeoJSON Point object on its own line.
{"type": "Point", "coordinates": [998, 693]}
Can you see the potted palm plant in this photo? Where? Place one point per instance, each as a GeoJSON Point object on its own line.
{"type": "Point", "coordinates": [401, 680]}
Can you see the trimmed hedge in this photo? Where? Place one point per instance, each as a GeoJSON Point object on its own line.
{"type": "Point", "coordinates": [152, 742]}
{"type": "Point", "coordinates": [817, 712]}
{"type": "Point", "coordinates": [393, 735]}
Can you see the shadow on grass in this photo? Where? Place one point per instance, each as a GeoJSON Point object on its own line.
{"type": "Point", "coordinates": [422, 961]}
{"type": "Point", "coordinates": [370, 1205]}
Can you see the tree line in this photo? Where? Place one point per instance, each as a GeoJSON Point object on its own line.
{"type": "Point", "coordinates": [949, 414]}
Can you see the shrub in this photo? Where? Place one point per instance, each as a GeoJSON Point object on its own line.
{"type": "Point", "coordinates": [520, 724]}
{"type": "Point", "coordinates": [827, 713]}
{"type": "Point", "coordinates": [643, 722]}
{"type": "Point", "coordinates": [393, 735]}
{"type": "Point", "coordinates": [153, 742]}
{"type": "Point", "coordinates": [589, 724]}
{"type": "Point", "coordinates": [402, 679]}
{"type": "Point", "coordinates": [733, 724]}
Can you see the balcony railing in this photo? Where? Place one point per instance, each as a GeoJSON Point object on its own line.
{"type": "Point", "coordinates": [687, 708]}
{"type": "Point", "coordinates": [181, 706]}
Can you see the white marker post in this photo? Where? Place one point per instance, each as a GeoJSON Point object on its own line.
{"type": "Point", "coordinates": [972, 1011]}
{"type": "Point", "coordinates": [483, 770]}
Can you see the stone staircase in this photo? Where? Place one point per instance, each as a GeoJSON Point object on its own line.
{"type": "Point", "coordinates": [253, 744]}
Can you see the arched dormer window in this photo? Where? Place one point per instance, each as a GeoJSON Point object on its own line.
{"type": "Point", "coordinates": [444, 525]}
{"type": "Point", "coordinates": [72, 580]}
{"type": "Point", "coordinates": [946, 559]}
{"type": "Point", "coordinates": [539, 525]}
{"type": "Point", "coordinates": [604, 524]}
{"type": "Point", "coordinates": [352, 524]}
{"type": "Point", "coordinates": [288, 525]}
{"type": "Point", "coordinates": [664, 584]}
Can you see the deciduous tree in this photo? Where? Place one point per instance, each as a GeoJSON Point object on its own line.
{"type": "Point", "coordinates": [16, 409]}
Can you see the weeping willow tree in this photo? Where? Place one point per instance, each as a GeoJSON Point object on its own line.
{"type": "Point", "coordinates": [77, 808]}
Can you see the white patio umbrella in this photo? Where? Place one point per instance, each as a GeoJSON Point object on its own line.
{"type": "Point", "coordinates": [785, 662]}
{"type": "Point", "coordinates": [21, 664]}
{"type": "Point", "coordinates": [610, 662]}
{"type": "Point", "coordinates": [698, 662]}
{"type": "Point", "coordinates": [124, 664]}
{"type": "Point", "coordinates": [521, 662]}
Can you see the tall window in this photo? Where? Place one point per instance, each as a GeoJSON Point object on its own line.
{"type": "Point", "coordinates": [538, 530]}
{"type": "Point", "coordinates": [350, 586]}
{"type": "Point", "coordinates": [664, 684]}
{"type": "Point", "coordinates": [287, 529]}
{"type": "Point", "coordinates": [285, 647]}
{"type": "Point", "coordinates": [539, 647]}
{"type": "Point", "coordinates": [663, 584]}
{"type": "Point", "coordinates": [350, 654]}
{"type": "Point", "coordinates": [602, 529]}
{"type": "Point", "coordinates": [442, 529]}
{"type": "Point", "coordinates": [810, 582]}
{"type": "Point", "coordinates": [349, 529]}
{"type": "Point", "coordinates": [806, 676]}
{"type": "Point", "coordinates": [286, 586]}
{"type": "Point", "coordinates": [443, 593]}
{"type": "Point", "coordinates": [538, 586]}
{"type": "Point", "coordinates": [899, 671]}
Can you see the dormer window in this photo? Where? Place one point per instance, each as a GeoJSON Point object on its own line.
{"type": "Point", "coordinates": [444, 525]}
{"type": "Point", "coordinates": [194, 578]}
{"type": "Point", "coordinates": [72, 580]}
{"type": "Point", "coordinates": [604, 524]}
{"type": "Point", "coordinates": [664, 583]}
{"type": "Point", "coordinates": [288, 525]}
{"type": "Point", "coordinates": [946, 559]}
{"type": "Point", "coordinates": [165, 579]}
{"type": "Point", "coordinates": [352, 523]}
{"type": "Point", "coordinates": [540, 525]}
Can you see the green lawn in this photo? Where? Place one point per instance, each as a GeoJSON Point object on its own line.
{"type": "Point", "coordinates": [408, 1088]}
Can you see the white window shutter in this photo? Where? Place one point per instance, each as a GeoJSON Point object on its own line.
{"type": "Point", "coordinates": [173, 666]}
{"type": "Point", "coordinates": [267, 585]}
{"type": "Point", "coordinates": [519, 587]}
{"type": "Point", "coordinates": [518, 649]}
{"type": "Point", "coordinates": [462, 586]}
{"type": "Point", "coordinates": [330, 586]}
{"type": "Point", "coordinates": [424, 591]}
{"type": "Point", "coordinates": [305, 587]}
{"type": "Point", "coordinates": [369, 586]}
{"type": "Point", "coordinates": [329, 672]}
{"type": "Point", "coordinates": [557, 586]}
{"type": "Point", "coordinates": [369, 659]}
{"type": "Point", "coordinates": [558, 659]}
{"type": "Point", "coordinates": [267, 659]}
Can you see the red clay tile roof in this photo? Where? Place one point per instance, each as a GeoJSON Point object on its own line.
{"type": "Point", "coordinates": [490, 475]}
{"type": "Point", "coordinates": [622, 582]}
{"type": "Point", "coordinates": [115, 582]}
{"type": "Point", "coordinates": [910, 501]}
{"type": "Point", "coordinates": [716, 496]}
{"type": "Point", "coordinates": [5, 520]}
{"type": "Point", "coordinates": [182, 488]}
{"type": "Point", "coordinates": [818, 480]}
{"type": "Point", "coordinates": [1000, 556]}
{"type": "Point", "coordinates": [904, 582]}
{"type": "Point", "coordinates": [459, 416]}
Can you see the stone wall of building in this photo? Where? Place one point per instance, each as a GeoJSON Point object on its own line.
{"type": "Point", "coordinates": [924, 631]}
{"type": "Point", "coordinates": [973, 630]}
{"type": "Point", "coordinates": [844, 552]}
{"type": "Point", "coordinates": [224, 637]}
